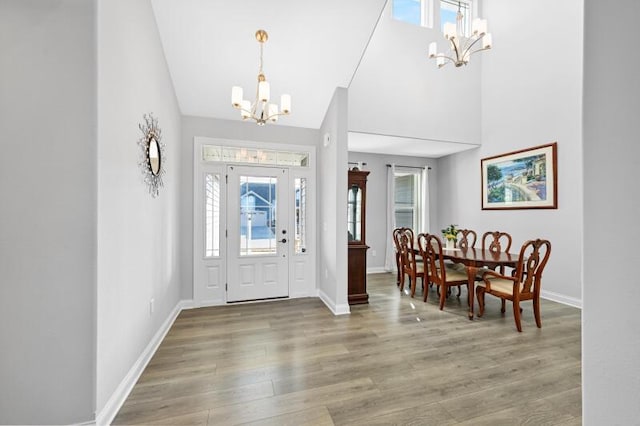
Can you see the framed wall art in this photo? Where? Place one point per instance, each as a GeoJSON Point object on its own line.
{"type": "Point", "coordinates": [525, 179]}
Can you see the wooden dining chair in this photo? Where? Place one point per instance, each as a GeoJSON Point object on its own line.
{"type": "Point", "coordinates": [466, 238]}
{"type": "Point", "coordinates": [436, 271]}
{"type": "Point", "coordinates": [395, 235]}
{"type": "Point", "coordinates": [523, 285]}
{"type": "Point", "coordinates": [496, 242]}
{"type": "Point", "coordinates": [411, 266]}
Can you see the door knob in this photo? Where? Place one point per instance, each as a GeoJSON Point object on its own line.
{"type": "Point", "coordinates": [284, 240]}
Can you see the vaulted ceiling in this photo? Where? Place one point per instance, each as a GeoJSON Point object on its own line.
{"type": "Point", "coordinates": [396, 95]}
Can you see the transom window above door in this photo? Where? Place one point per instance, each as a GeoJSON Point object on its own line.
{"type": "Point", "coordinates": [266, 157]}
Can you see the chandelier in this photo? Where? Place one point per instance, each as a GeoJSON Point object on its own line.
{"type": "Point", "coordinates": [260, 110]}
{"type": "Point", "coordinates": [461, 47]}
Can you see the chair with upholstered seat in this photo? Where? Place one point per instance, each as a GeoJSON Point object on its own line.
{"type": "Point", "coordinates": [466, 238]}
{"type": "Point", "coordinates": [410, 265]}
{"type": "Point", "coordinates": [396, 244]}
{"type": "Point", "coordinates": [437, 273]}
{"type": "Point", "coordinates": [497, 242]}
{"type": "Point", "coordinates": [523, 285]}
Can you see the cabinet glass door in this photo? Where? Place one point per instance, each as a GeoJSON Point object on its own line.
{"type": "Point", "coordinates": [354, 213]}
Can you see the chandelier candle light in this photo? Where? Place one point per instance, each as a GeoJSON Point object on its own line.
{"type": "Point", "coordinates": [461, 46]}
{"type": "Point", "coordinates": [261, 110]}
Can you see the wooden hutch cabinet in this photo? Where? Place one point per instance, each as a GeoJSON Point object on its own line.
{"type": "Point", "coordinates": [356, 218]}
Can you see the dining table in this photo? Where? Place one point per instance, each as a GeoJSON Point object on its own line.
{"type": "Point", "coordinates": [474, 259]}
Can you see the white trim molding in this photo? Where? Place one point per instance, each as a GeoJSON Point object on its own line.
{"type": "Point", "coordinates": [377, 270]}
{"type": "Point", "coordinates": [119, 396]}
{"type": "Point", "coordinates": [336, 309]}
{"type": "Point", "coordinates": [561, 298]}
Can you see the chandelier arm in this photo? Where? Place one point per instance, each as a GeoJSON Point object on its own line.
{"type": "Point", "coordinates": [455, 49]}
{"type": "Point", "coordinates": [466, 44]}
{"type": "Point", "coordinates": [275, 115]}
{"type": "Point", "coordinates": [468, 48]}
{"type": "Point", "coordinates": [251, 111]}
{"type": "Point", "coordinates": [479, 50]}
{"type": "Point", "coordinates": [448, 58]}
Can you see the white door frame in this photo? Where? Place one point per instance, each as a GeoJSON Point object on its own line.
{"type": "Point", "coordinates": [210, 275]}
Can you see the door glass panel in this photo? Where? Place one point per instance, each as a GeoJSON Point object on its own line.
{"type": "Point", "coordinates": [212, 215]}
{"type": "Point", "coordinates": [354, 213]}
{"type": "Point", "coordinates": [257, 215]}
{"type": "Point", "coordinates": [300, 242]}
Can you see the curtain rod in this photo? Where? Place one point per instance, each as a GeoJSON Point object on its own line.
{"type": "Point", "coordinates": [409, 167]}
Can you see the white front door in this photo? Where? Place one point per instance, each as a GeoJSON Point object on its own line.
{"type": "Point", "coordinates": [257, 233]}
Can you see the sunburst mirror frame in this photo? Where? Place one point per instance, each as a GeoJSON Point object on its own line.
{"type": "Point", "coordinates": [152, 169]}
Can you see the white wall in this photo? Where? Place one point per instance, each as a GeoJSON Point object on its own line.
{"type": "Point", "coordinates": [377, 238]}
{"type": "Point", "coordinates": [611, 347]}
{"type": "Point", "coordinates": [48, 211]}
{"type": "Point", "coordinates": [138, 253]}
{"type": "Point", "coordinates": [398, 90]}
{"type": "Point", "coordinates": [531, 95]}
{"type": "Point", "coordinates": [332, 214]}
{"type": "Point", "coordinates": [223, 129]}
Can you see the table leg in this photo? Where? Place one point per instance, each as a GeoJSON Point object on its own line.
{"type": "Point", "coordinates": [471, 277]}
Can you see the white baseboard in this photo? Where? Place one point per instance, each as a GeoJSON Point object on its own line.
{"type": "Point", "coordinates": [561, 298]}
{"type": "Point", "coordinates": [377, 270]}
{"type": "Point", "coordinates": [113, 405]}
{"type": "Point", "coordinates": [336, 309]}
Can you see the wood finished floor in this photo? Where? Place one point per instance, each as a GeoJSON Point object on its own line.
{"type": "Point", "coordinates": [395, 361]}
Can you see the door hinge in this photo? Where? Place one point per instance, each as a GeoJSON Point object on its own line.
{"type": "Point", "coordinates": [226, 287]}
{"type": "Point", "coordinates": [226, 233]}
{"type": "Point", "coordinates": [226, 178]}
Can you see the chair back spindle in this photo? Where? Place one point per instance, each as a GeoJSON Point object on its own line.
{"type": "Point", "coordinates": [496, 241]}
{"type": "Point", "coordinates": [467, 238]}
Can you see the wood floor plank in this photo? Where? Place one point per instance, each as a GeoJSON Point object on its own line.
{"type": "Point", "coordinates": [316, 416]}
{"type": "Point", "coordinates": [198, 418]}
{"type": "Point", "coordinates": [174, 406]}
{"type": "Point", "coordinates": [497, 398]}
{"type": "Point", "coordinates": [419, 415]}
{"type": "Point", "coordinates": [396, 360]}
{"type": "Point", "coordinates": [292, 402]}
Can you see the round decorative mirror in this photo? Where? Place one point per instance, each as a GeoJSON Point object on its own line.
{"type": "Point", "coordinates": [152, 154]}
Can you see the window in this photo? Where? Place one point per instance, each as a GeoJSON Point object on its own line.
{"type": "Point", "coordinates": [449, 12]}
{"type": "Point", "coordinates": [416, 12]}
{"type": "Point", "coordinates": [422, 12]}
{"type": "Point", "coordinates": [258, 215]}
{"type": "Point", "coordinates": [265, 157]}
{"type": "Point", "coordinates": [410, 11]}
{"type": "Point", "coordinates": [212, 215]}
{"type": "Point", "coordinates": [408, 204]}
{"type": "Point", "coordinates": [300, 237]}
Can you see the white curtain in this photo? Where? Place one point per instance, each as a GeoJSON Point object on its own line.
{"type": "Point", "coordinates": [424, 220]}
{"type": "Point", "coordinates": [390, 255]}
